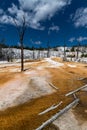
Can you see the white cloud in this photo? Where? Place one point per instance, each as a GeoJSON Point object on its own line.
{"type": "Point", "coordinates": [6, 19]}
{"type": "Point", "coordinates": [36, 11]}
{"type": "Point", "coordinates": [28, 4]}
{"type": "Point", "coordinates": [80, 17]}
{"type": "Point", "coordinates": [54, 28]}
{"type": "Point", "coordinates": [80, 39]}
{"type": "Point", "coordinates": [72, 39]}
{"type": "Point", "coordinates": [38, 42]}
{"type": "Point", "coordinates": [43, 9]}
{"type": "Point", "coordinates": [13, 10]}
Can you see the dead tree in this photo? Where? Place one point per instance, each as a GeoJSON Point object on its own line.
{"type": "Point", "coordinates": [33, 49]}
{"type": "Point", "coordinates": [8, 54]}
{"type": "Point", "coordinates": [1, 52]}
{"type": "Point", "coordinates": [21, 32]}
{"type": "Point", "coordinates": [2, 45]}
{"type": "Point", "coordinates": [39, 53]}
{"type": "Point", "coordinates": [64, 58]}
{"type": "Point", "coordinates": [48, 50]}
{"type": "Point", "coordinates": [78, 47]}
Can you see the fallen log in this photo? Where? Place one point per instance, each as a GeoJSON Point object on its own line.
{"type": "Point", "coordinates": [58, 114]}
{"type": "Point", "coordinates": [72, 92]}
{"type": "Point", "coordinates": [53, 86]}
{"type": "Point", "coordinates": [51, 108]}
{"type": "Point", "coordinates": [81, 79]}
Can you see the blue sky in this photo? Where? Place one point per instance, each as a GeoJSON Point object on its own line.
{"type": "Point", "coordinates": [53, 21]}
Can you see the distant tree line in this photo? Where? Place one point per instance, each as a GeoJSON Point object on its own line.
{"type": "Point", "coordinates": [4, 45]}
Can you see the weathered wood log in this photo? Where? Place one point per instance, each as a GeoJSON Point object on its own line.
{"type": "Point", "coordinates": [51, 108]}
{"type": "Point", "coordinates": [72, 92]}
{"type": "Point", "coordinates": [81, 79]}
{"type": "Point", "coordinates": [74, 95]}
{"type": "Point", "coordinates": [53, 86]}
{"type": "Point", "coordinates": [58, 114]}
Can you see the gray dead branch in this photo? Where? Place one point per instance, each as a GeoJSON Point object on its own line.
{"type": "Point", "coordinates": [53, 118]}
{"type": "Point", "coordinates": [51, 108]}
{"type": "Point", "coordinates": [53, 86]}
{"type": "Point", "coordinates": [73, 92]}
{"type": "Point", "coordinates": [79, 79]}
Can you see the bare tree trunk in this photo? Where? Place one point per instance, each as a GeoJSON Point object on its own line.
{"type": "Point", "coordinates": [21, 31]}
{"type": "Point", "coordinates": [48, 53]}
{"type": "Point", "coordinates": [39, 54]}
{"type": "Point", "coordinates": [22, 56]}
{"type": "Point", "coordinates": [64, 52]}
{"type": "Point", "coordinates": [78, 50]}
{"type": "Point", "coordinates": [33, 54]}
{"type": "Point", "coordinates": [48, 50]}
{"type": "Point", "coordinates": [77, 53]}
